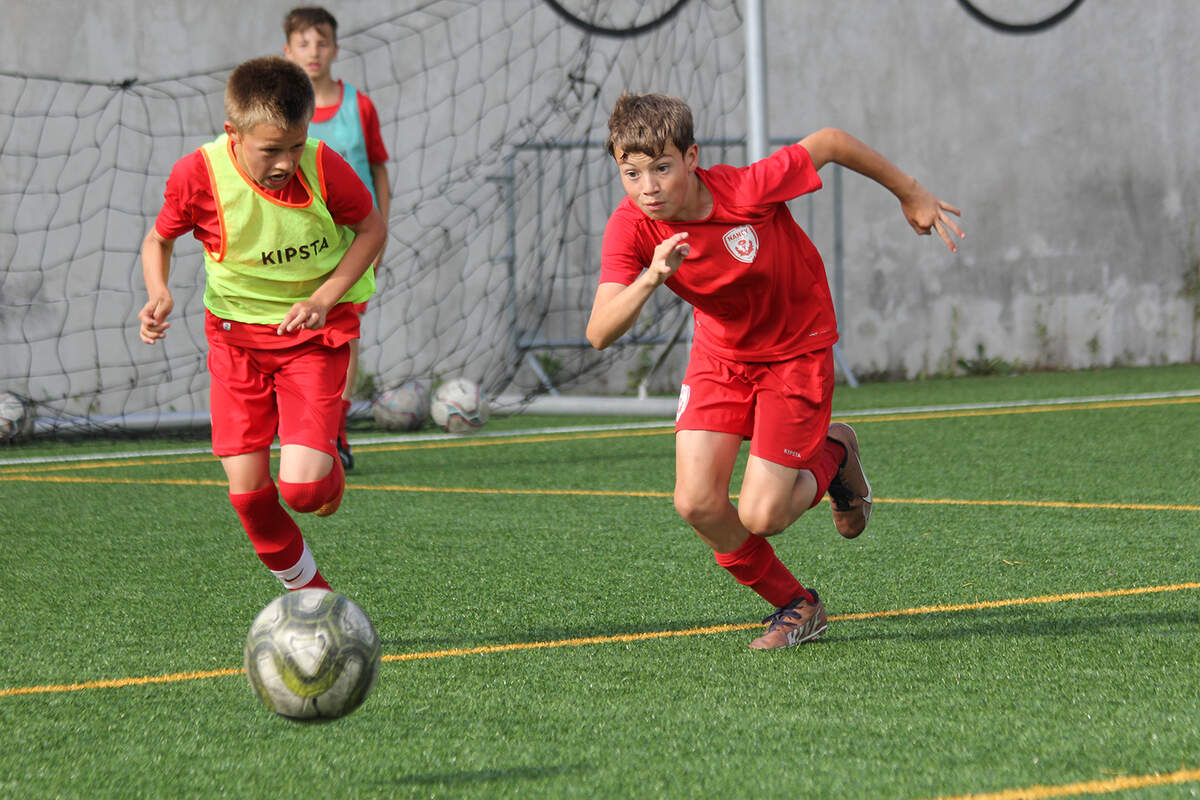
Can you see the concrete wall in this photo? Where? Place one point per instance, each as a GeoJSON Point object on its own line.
{"type": "Point", "coordinates": [1072, 153]}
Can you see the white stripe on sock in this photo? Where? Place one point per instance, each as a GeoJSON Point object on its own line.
{"type": "Point", "coordinates": [300, 573]}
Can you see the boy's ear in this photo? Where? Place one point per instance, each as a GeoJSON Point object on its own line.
{"type": "Point", "coordinates": [691, 158]}
{"type": "Point", "coordinates": [231, 131]}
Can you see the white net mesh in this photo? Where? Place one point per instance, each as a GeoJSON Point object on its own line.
{"type": "Point", "coordinates": [493, 114]}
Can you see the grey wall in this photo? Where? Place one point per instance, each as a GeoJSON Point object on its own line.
{"type": "Point", "coordinates": [1072, 153]}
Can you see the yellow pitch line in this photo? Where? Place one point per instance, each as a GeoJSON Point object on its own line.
{"type": "Point", "coordinates": [1019, 601]}
{"type": "Point", "coordinates": [548, 492]}
{"type": "Point", "coordinates": [943, 501]}
{"type": "Point", "coordinates": [1036, 504]}
{"type": "Point", "coordinates": [1105, 786]}
{"type": "Point", "coordinates": [530, 439]}
{"type": "Point", "coordinates": [995, 412]}
{"type": "Point", "coordinates": [122, 481]}
{"type": "Point", "coordinates": [624, 637]}
{"type": "Point", "coordinates": [118, 683]}
{"type": "Point", "coordinates": [109, 464]}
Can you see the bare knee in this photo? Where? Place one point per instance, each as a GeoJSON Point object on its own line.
{"type": "Point", "coordinates": [763, 519]}
{"type": "Point", "coordinates": [700, 510]}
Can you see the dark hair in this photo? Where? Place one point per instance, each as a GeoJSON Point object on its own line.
{"type": "Point", "coordinates": [271, 91]}
{"type": "Point", "coordinates": [304, 17]}
{"type": "Point", "coordinates": [647, 123]}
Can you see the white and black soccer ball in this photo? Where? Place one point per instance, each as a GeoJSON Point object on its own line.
{"type": "Point", "coordinates": [402, 408]}
{"type": "Point", "coordinates": [16, 417]}
{"type": "Point", "coordinates": [459, 406]}
{"type": "Point", "coordinates": [312, 655]}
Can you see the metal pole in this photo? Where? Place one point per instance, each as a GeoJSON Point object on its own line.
{"type": "Point", "coordinates": [507, 183]}
{"type": "Point", "coordinates": [839, 275]}
{"type": "Point", "coordinates": [756, 82]}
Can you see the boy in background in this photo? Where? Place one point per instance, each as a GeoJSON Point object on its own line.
{"type": "Point", "coordinates": [289, 233]}
{"type": "Point", "coordinates": [761, 366]}
{"type": "Point", "coordinates": [346, 120]}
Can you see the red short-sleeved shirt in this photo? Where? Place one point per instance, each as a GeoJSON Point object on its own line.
{"type": "Point", "coordinates": [189, 207]}
{"type": "Point", "coordinates": [369, 118]}
{"type": "Point", "coordinates": [756, 282]}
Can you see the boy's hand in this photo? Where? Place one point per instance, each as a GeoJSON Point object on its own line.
{"type": "Point", "coordinates": [926, 214]}
{"type": "Point", "coordinates": [305, 314]}
{"type": "Point", "coordinates": [153, 317]}
{"type": "Point", "coordinates": [667, 258]}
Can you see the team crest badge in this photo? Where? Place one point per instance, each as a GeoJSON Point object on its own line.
{"type": "Point", "coordinates": [742, 243]}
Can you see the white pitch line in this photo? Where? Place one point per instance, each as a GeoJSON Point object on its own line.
{"type": "Point", "coordinates": [426, 437]}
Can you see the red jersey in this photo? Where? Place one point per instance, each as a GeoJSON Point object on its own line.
{"type": "Point", "coordinates": [756, 283]}
{"type": "Point", "coordinates": [369, 118]}
{"type": "Point", "coordinates": [189, 207]}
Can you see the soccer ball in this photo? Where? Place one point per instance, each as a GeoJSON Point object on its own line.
{"type": "Point", "coordinates": [402, 408]}
{"type": "Point", "coordinates": [459, 407]}
{"type": "Point", "coordinates": [16, 417]}
{"type": "Point", "coordinates": [311, 655]}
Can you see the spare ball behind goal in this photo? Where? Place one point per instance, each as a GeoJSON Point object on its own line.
{"type": "Point", "coordinates": [402, 408]}
{"type": "Point", "coordinates": [459, 406]}
{"type": "Point", "coordinates": [16, 417]}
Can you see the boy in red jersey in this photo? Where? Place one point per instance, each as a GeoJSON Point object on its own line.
{"type": "Point", "coordinates": [762, 361]}
{"type": "Point", "coordinates": [289, 232]}
{"type": "Point", "coordinates": [346, 120]}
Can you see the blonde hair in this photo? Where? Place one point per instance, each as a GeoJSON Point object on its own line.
{"type": "Point", "coordinates": [647, 123]}
{"type": "Point", "coordinates": [269, 91]}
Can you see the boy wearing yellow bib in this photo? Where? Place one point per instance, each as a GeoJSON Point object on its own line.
{"type": "Point", "coordinates": [289, 234]}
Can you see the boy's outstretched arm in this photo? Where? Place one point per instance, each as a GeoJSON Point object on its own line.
{"type": "Point", "coordinates": [156, 264]}
{"type": "Point", "coordinates": [617, 306]}
{"type": "Point", "coordinates": [924, 212]}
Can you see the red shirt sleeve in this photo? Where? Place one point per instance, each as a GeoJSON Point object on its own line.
{"type": "Point", "coordinates": [376, 151]}
{"type": "Point", "coordinates": [346, 196]}
{"type": "Point", "coordinates": [784, 175]}
{"type": "Point", "coordinates": [188, 205]}
{"type": "Point", "coordinates": [623, 254]}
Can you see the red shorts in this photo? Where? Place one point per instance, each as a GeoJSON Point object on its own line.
{"type": "Point", "coordinates": [782, 407]}
{"type": "Point", "coordinates": [293, 391]}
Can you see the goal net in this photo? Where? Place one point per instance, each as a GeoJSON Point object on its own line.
{"type": "Point", "coordinates": [493, 114]}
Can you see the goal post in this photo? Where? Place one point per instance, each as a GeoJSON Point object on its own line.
{"type": "Point", "coordinates": [492, 114]}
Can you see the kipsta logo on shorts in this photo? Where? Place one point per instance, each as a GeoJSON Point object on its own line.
{"type": "Point", "coordinates": [742, 243]}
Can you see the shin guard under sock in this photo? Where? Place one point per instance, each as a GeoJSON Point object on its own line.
{"type": "Point", "coordinates": [308, 497]}
{"type": "Point", "coordinates": [755, 564]}
{"type": "Point", "coordinates": [825, 467]}
{"type": "Point", "coordinates": [276, 538]}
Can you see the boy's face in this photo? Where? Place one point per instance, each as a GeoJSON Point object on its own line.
{"type": "Point", "coordinates": [313, 49]}
{"type": "Point", "coordinates": [269, 155]}
{"type": "Point", "coordinates": [660, 185]}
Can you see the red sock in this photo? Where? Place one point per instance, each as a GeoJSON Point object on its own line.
{"type": "Point", "coordinates": [276, 538]}
{"type": "Point", "coordinates": [825, 467]}
{"type": "Point", "coordinates": [755, 564]}
{"type": "Point", "coordinates": [308, 497]}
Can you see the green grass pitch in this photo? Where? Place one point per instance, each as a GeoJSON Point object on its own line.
{"type": "Point", "coordinates": [1021, 618]}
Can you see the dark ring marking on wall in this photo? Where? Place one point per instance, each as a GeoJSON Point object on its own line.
{"type": "Point", "coordinates": [622, 33]}
{"type": "Point", "coordinates": [1029, 27]}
